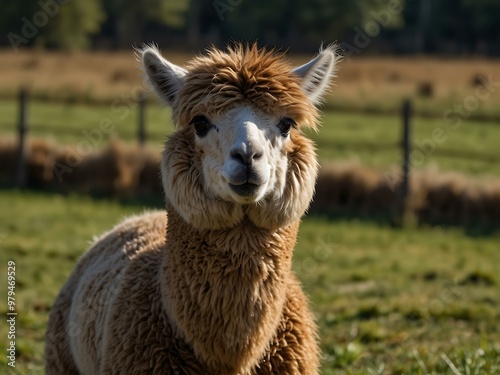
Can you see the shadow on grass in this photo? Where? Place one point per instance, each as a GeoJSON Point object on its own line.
{"type": "Point", "coordinates": [474, 229]}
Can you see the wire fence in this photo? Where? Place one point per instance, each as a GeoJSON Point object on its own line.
{"type": "Point", "coordinates": [141, 135]}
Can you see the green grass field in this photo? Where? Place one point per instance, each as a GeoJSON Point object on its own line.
{"type": "Point", "coordinates": [371, 139]}
{"type": "Point", "coordinates": [417, 301]}
{"type": "Point", "coordinates": [387, 300]}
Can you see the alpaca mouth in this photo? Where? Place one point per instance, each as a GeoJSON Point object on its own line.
{"type": "Point", "coordinates": [246, 189]}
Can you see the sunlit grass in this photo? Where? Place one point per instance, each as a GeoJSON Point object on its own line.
{"type": "Point", "coordinates": [387, 300]}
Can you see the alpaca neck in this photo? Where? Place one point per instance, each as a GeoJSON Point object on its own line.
{"type": "Point", "coordinates": [224, 290]}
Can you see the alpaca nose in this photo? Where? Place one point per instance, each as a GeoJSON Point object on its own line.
{"type": "Point", "coordinates": [245, 154]}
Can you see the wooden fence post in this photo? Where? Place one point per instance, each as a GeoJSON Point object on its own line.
{"type": "Point", "coordinates": [406, 145]}
{"type": "Point", "coordinates": [20, 178]}
{"type": "Point", "coordinates": [142, 121]}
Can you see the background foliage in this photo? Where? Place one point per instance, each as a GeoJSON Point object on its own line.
{"type": "Point", "coordinates": [446, 26]}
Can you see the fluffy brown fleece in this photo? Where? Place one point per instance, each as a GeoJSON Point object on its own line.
{"type": "Point", "coordinates": [232, 323]}
{"type": "Point", "coordinates": [207, 302]}
{"type": "Point", "coordinates": [243, 74]}
{"type": "Point", "coordinates": [213, 291]}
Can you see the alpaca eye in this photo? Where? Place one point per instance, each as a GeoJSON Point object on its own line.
{"type": "Point", "coordinates": [285, 124]}
{"type": "Point", "coordinates": [201, 125]}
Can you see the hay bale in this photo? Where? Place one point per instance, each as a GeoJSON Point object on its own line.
{"type": "Point", "coordinates": [149, 175]}
{"type": "Point", "coordinates": [8, 156]}
{"type": "Point", "coordinates": [491, 202]}
{"type": "Point", "coordinates": [333, 187]}
{"type": "Point", "coordinates": [130, 162]}
{"type": "Point", "coordinates": [420, 184]}
{"type": "Point", "coordinates": [345, 185]}
{"type": "Point", "coordinates": [445, 198]}
{"type": "Point", "coordinates": [382, 197]}
{"type": "Point", "coordinates": [123, 170]}
{"type": "Point", "coordinates": [40, 158]}
{"type": "Point", "coordinates": [66, 160]}
{"type": "Point", "coordinates": [364, 183]}
{"type": "Point", "coordinates": [113, 170]}
{"type": "Point", "coordinates": [473, 205]}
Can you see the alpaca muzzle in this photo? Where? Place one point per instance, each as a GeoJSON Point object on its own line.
{"type": "Point", "coordinates": [246, 182]}
{"type": "Point", "coordinates": [246, 189]}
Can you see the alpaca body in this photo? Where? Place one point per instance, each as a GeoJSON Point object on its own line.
{"type": "Point", "coordinates": [273, 334]}
{"type": "Point", "coordinates": [212, 291]}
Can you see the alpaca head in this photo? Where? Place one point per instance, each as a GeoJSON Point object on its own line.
{"type": "Point", "coordinates": [238, 151]}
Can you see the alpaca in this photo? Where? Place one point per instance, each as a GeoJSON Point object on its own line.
{"type": "Point", "coordinates": [207, 286]}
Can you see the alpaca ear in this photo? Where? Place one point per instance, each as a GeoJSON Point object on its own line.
{"type": "Point", "coordinates": [317, 73]}
{"type": "Point", "coordinates": [165, 78]}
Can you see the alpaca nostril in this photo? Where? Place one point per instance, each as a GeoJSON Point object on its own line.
{"type": "Point", "coordinates": [246, 155]}
{"type": "Point", "coordinates": [240, 156]}
{"type": "Point", "coordinates": [257, 155]}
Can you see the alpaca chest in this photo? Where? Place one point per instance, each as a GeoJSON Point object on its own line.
{"type": "Point", "coordinates": [225, 293]}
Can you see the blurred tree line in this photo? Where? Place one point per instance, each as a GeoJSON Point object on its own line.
{"type": "Point", "coordinates": [372, 26]}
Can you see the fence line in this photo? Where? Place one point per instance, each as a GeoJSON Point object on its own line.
{"type": "Point", "coordinates": [141, 135]}
{"type": "Point", "coordinates": [20, 178]}
{"type": "Point", "coordinates": [378, 146]}
{"type": "Point", "coordinates": [404, 188]}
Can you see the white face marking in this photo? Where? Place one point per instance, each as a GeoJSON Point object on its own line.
{"type": "Point", "coordinates": [243, 155]}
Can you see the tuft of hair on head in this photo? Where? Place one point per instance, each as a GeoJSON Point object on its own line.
{"type": "Point", "coordinates": [242, 72]}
